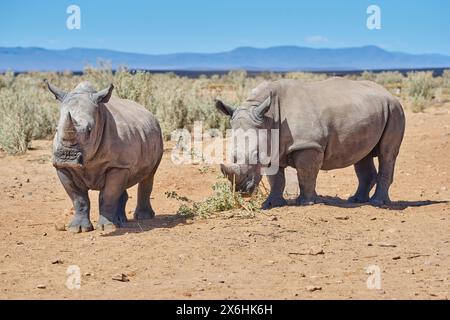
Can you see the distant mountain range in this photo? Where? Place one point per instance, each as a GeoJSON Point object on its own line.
{"type": "Point", "coordinates": [281, 58]}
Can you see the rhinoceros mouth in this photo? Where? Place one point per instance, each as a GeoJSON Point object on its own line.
{"type": "Point", "coordinates": [67, 157]}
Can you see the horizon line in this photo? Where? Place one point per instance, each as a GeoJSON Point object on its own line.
{"type": "Point", "coordinates": [230, 50]}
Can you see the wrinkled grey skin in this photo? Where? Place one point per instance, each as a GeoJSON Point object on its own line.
{"type": "Point", "coordinates": [324, 125]}
{"type": "Point", "coordinates": [107, 144]}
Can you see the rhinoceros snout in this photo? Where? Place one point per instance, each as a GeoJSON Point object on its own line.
{"type": "Point", "coordinates": [243, 179]}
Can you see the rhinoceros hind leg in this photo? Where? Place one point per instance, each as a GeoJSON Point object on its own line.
{"type": "Point", "coordinates": [308, 163]}
{"type": "Point", "coordinates": [384, 181]}
{"type": "Point", "coordinates": [277, 183]}
{"type": "Point", "coordinates": [367, 177]}
{"type": "Point", "coordinates": [144, 209]}
{"type": "Point", "coordinates": [389, 147]}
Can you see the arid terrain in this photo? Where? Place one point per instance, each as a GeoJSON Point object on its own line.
{"type": "Point", "coordinates": [315, 252]}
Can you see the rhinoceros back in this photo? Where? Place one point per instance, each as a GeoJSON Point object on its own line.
{"type": "Point", "coordinates": [131, 139]}
{"type": "Point", "coordinates": [344, 119]}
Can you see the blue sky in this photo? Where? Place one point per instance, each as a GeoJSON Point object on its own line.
{"type": "Point", "coordinates": [166, 26]}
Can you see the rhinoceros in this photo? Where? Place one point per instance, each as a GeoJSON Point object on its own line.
{"type": "Point", "coordinates": [108, 144]}
{"type": "Point", "coordinates": [322, 125]}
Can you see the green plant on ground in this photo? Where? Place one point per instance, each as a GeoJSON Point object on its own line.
{"type": "Point", "coordinates": [224, 199]}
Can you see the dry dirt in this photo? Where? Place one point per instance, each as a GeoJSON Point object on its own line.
{"type": "Point", "coordinates": [277, 254]}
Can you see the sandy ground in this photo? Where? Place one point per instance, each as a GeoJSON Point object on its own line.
{"type": "Point", "coordinates": [281, 253]}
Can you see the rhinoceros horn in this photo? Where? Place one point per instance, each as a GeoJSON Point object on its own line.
{"type": "Point", "coordinates": [69, 130]}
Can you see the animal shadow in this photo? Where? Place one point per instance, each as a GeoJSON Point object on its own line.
{"type": "Point", "coordinates": [160, 221]}
{"type": "Point", "coordinates": [394, 205]}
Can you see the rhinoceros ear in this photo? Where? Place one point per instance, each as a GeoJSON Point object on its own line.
{"type": "Point", "coordinates": [224, 108]}
{"type": "Point", "coordinates": [58, 93]}
{"type": "Point", "coordinates": [104, 95]}
{"type": "Point", "coordinates": [264, 107]}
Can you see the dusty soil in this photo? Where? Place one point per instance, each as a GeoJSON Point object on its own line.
{"type": "Point", "coordinates": [277, 254]}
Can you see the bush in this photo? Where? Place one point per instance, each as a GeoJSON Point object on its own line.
{"type": "Point", "coordinates": [421, 84]}
{"type": "Point", "coordinates": [421, 88]}
{"type": "Point", "coordinates": [16, 121]}
{"type": "Point", "coordinates": [389, 78]}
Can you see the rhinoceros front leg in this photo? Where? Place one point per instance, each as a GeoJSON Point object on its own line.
{"type": "Point", "coordinates": [277, 183]}
{"type": "Point", "coordinates": [308, 163]}
{"type": "Point", "coordinates": [80, 201]}
{"type": "Point", "coordinates": [112, 200]}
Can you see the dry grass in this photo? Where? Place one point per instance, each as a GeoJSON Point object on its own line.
{"type": "Point", "coordinates": [28, 111]}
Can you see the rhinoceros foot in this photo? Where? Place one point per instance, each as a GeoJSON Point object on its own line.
{"type": "Point", "coordinates": [358, 199]}
{"type": "Point", "coordinates": [379, 202]}
{"type": "Point", "coordinates": [80, 224]}
{"type": "Point", "coordinates": [273, 202]}
{"type": "Point", "coordinates": [305, 201]}
{"type": "Point", "coordinates": [105, 224]}
{"type": "Point", "coordinates": [143, 214]}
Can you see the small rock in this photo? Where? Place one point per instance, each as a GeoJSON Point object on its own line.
{"type": "Point", "coordinates": [410, 271]}
{"type": "Point", "coordinates": [28, 180]}
{"type": "Point", "coordinates": [60, 227]}
{"type": "Point", "coordinates": [342, 217]}
{"type": "Point", "coordinates": [273, 218]}
{"type": "Point", "coordinates": [396, 258]}
{"type": "Point", "coordinates": [387, 245]}
{"type": "Point", "coordinates": [57, 261]}
{"type": "Point", "coordinates": [313, 288]}
{"type": "Point", "coordinates": [88, 274]}
{"type": "Point", "coordinates": [19, 243]}
{"type": "Point", "coordinates": [41, 286]}
{"type": "Point", "coordinates": [121, 277]}
{"type": "Point", "coordinates": [44, 234]}
{"type": "Point", "coordinates": [314, 251]}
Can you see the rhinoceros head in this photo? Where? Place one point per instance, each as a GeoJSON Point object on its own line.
{"type": "Point", "coordinates": [78, 126]}
{"type": "Point", "coordinates": [245, 120]}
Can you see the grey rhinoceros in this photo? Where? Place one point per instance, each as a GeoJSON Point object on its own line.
{"type": "Point", "coordinates": [322, 125]}
{"type": "Point", "coordinates": [108, 144]}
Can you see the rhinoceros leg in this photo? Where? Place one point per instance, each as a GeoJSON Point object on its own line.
{"type": "Point", "coordinates": [308, 163]}
{"type": "Point", "coordinates": [388, 149]}
{"type": "Point", "coordinates": [144, 209]}
{"type": "Point", "coordinates": [81, 203]}
{"type": "Point", "coordinates": [277, 183]}
{"type": "Point", "coordinates": [367, 177]}
{"type": "Point", "coordinates": [121, 214]}
{"type": "Point", "coordinates": [110, 199]}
